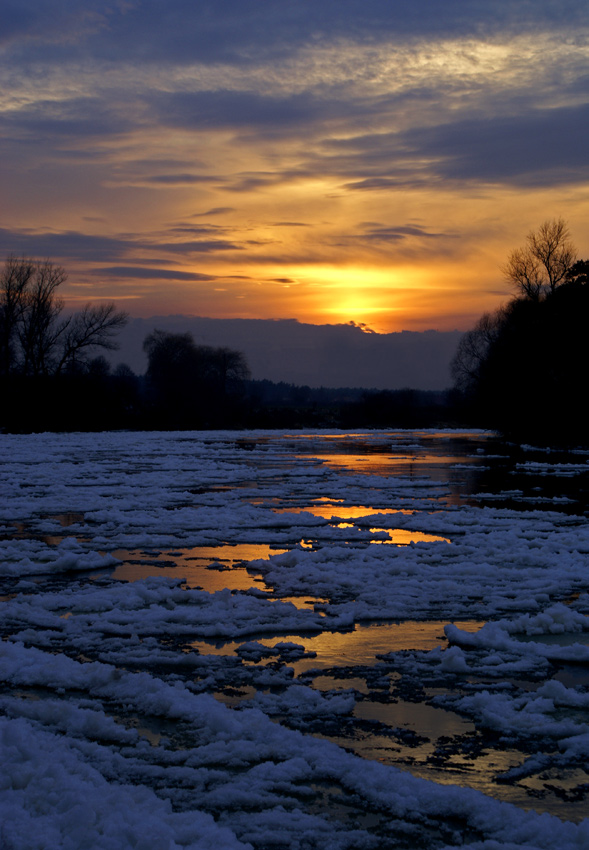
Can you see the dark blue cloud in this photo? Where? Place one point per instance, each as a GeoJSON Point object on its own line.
{"type": "Point", "coordinates": [62, 22]}
{"type": "Point", "coordinates": [289, 224]}
{"type": "Point", "coordinates": [78, 118]}
{"type": "Point", "coordinates": [202, 246]}
{"type": "Point", "coordinates": [71, 245]}
{"type": "Point", "coordinates": [204, 230]}
{"type": "Point", "coordinates": [313, 355]}
{"type": "Point", "coordinates": [541, 147]}
{"type": "Point", "coordinates": [180, 179]}
{"type": "Point", "coordinates": [237, 110]}
{"type": "Point", "coordinates": [144, 273]}
{"type": "Point", "coordinates": [82, 247]}
{"type": "Point", "coordinates": [243, 32]}
{"type": "Point", "coordinates": [538, 146]}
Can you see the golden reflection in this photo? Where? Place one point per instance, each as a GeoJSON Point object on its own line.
{"type": "Point", "coordinates": [365, 643]}
{"type": "Point", "coordinates": [478, 770]}
{"type": "Point", "coordinates": [197, 565]}
{"type": "Point", "coordinates": [399, 536]}
{"type": "Point", "coordinates": [404, 537]}
{"type": "Point", "coordinates": [396, 536]}
{"type": "Point", "coordinates": [423, 759]}
{"type": "Point", "coordinates": [388, 463]}
{"type": "Point", "coordinates": [302, 602]}
{"type": "Point", "coordinates": [327, 511]}
{"type": "Point", "coordinates": [426, 720]}
{"type": "Point", "coordinates": [359, 646]}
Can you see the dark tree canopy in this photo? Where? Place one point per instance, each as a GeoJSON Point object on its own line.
{"type": "Point", "coordinates": [473, 350]}
{"type": "Point", "coordinates": [193, 383]}
{"type": "Point", "coordinates": [578, 272]}
{"type": "Point", "coordinates": [523, 369]}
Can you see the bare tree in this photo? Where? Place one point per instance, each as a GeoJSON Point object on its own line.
{"type": "Point", "coordinates": [524, 272]}
{"type": "Point", "coordinates": [34, 338]}
{"type": "Point", "coordinates": [92, 327]}
{"type": "Point", "coordinates": [38, 328]}
{"type": "Point", "coordinates": [542, 264]}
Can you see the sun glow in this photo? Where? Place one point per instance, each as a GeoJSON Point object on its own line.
{"type": "Point", "coordinates": [358, 293]}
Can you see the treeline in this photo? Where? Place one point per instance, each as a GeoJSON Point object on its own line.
{"type": "Point", "coordinates": [53, 376]}
{"type": "Point", "coordinates": [281, 405]}
{"type": "Point", "coordinates": [101, 398]}
{"type": "Point", "coordinates": [522, 370]}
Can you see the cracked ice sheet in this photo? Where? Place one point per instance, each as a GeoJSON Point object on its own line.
{"type": "Point", "coordinates": [250, 774]}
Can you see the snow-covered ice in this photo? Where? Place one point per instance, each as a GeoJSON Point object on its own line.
{"type": "Point", "coordinates": [286, 673]}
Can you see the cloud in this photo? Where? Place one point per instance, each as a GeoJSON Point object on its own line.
{"type": "Point", "coordinates": [52, 22]}
{"type": "Point", "coordinates": [68, 244]}
{"type": "Point", "coordinates": [205, 230]}
{"type": "Point", "coordinates": [335, 355]}
{"type": "Point", "coordinates": [241, 33]}
{"type": "Point", "coordinates": [381, 233]}
{"type": "Point", "coordinates": [182, 179]}
{"type": "Point", "coordinates": [70, 121]}
{"type": "Point", "coordinates": [541, 147]}
{"type": "Point", "coordinates": [80, 246]}
{"type": "Point", "coordinates": [276, 114]}
{"type": "Point", "coordinates": [214, 211]}
{"type": "Point", "coordinates": [290, 224]}
{"type": "Point", "coordinates": [150, 274]}
{"type": "Point", "coordinates": [203, 246]}
{"type": "Point", "coordinates": [372, 184]}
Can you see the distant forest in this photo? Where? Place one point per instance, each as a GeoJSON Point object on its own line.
{"type": "Point", "coordinates": [520, 371]}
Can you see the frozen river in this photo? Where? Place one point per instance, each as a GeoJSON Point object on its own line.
{"type": "Point", "coordinates": [309, 640]}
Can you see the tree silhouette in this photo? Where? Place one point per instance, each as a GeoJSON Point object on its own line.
{"type": "Point", "coordinates": [190, 383]}
{"type": "Point", "coordinates": [473, 350]}
{"type": "Point", "coordinates": [579, 272]}
{"type": "Point", "coordinates": [35, 338]}
{"type": "Point", "coordinates": [542, 264]}
{"type": "Point", "coordinates": [523, 368]}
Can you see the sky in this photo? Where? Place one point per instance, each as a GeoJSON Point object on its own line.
{"type": "Point", "coordinates": [329, 161]}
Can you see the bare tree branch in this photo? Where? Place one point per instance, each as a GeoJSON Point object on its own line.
{"type": "Point", "coordinates": [542, 264]}
{"type": "Point", "coordinates": [92, 327]}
